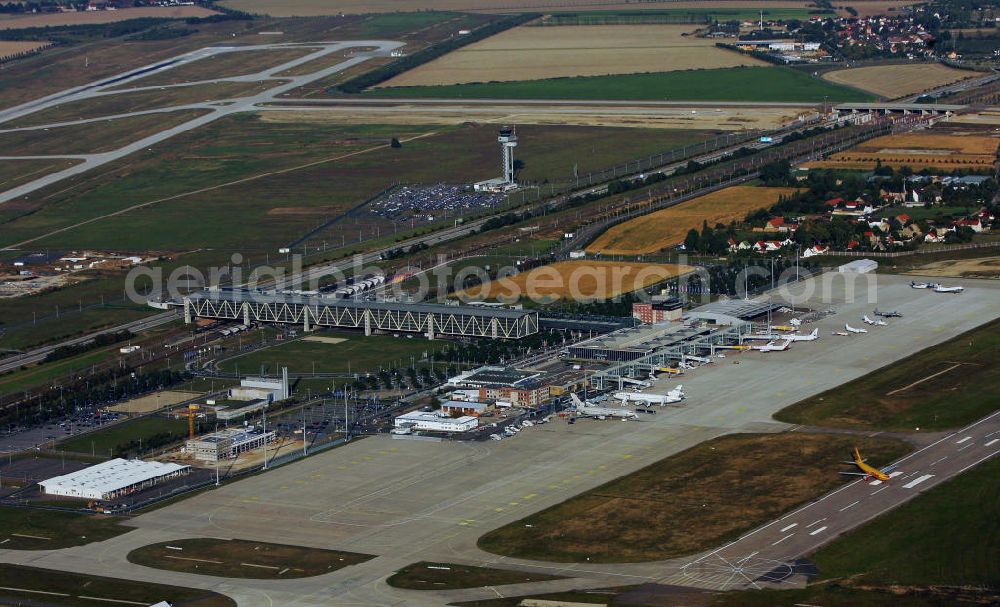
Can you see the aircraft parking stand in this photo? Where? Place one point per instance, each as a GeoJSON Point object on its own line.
{"type": "Point", "coordinates": [411, 500]}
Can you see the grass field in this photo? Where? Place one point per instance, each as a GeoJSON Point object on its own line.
{"type": "Point", "coordinates": [448, 576]}
{"type": "Point", "coordinates": [223, 65]}
{"type": "Point", "coordinates": [93, 137]}
{"type": "Point", "coordinates": [44, 373]}
{"type": "Point", "coordinates": [946, 386]}
{"type": "Point", "coordinates": [73, 590]}
{"type": "Point", "coordinates": [576, 280]}
{"type": "Point", "coordinates": [941, 549]}
{"type": "Point", "coordinates": [154, 402]}
{"type": "Point", "coordinates": [535, 53]}
{"type": "Point", "coordinates": [893, 81]}
{"type": "Point", "coordinates": [35, 529]}
{"type": "Point", "coordinates": [356, 354]}
{"type": "Point", "coordinates": [986, 267]}
{"type": "Point", "coordinates": [123, 103]}
{"type": "Point", "coordinates": [727, 84]}
{"type": "Point", "coordinates": [16, 172]}
{"type": "Point", "coordinates": [12, 47]}
{"type": "Point", "coordinates": [243, 559]}
{"type": "Point", "coordinates": [284, 202]}
{"type": "Point", "coordinates": [697, 499]}
{"type": "Point", "coordinates": [668, 227]}
{"type": "Point", "coordinates": [106, 441]}
{"type": "Point", "coordinates": [91, 17]}
{"type": "Point", "coordinates": [296, 8]}
{"type": "Point", "coordinates": [918, 151]}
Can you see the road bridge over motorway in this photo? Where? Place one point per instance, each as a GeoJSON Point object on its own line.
{"type": "Point", "coordinates": [898, 108]}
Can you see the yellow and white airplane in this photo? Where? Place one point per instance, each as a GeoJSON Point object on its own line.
{"type": "Point", "coordinates": [867, 470]}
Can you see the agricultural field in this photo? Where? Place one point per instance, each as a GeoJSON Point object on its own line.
{"type": "Point", "coordinates": [14, 21]}
{"type": "Point", "coordinates": [297, 8]}
{"type": "Point", "coordinates": [729, 485]}
{"type": "Point", "coordinates": [943, 387]}
{"type": "Point", "coordinates": [667, 227]}
{"type": "Point", "coordinates": [724, 84]}
{"type": "Point", "coordinates": [353, 353]}
{"type": "Point", "coordinates": [153, 402]}
{"type": "Point", "coordinates": [536, 53]}
{"type": "Point", "coordinates": [13, 47]}
{"type": "Point", "coordinates": [223, 65]}
{"type": "Point", "coordinates": [123, 103]}
{"type": "Point", "coordinates": [92, 137]}
{"type": "Point", "coordinates": [918, 151]}
{"type": "Point", "coordinates": [243, 559]}
{"type": "Point", "coordinates": [576, 280]}
{"type": "Point", "coordinates": [892, 81]}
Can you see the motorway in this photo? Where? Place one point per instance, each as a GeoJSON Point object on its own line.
{"type": "Point", "coordinates": [407, 500]}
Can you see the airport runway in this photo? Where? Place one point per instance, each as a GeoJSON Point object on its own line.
{"type": "Point", "coordinates": [410, 500]}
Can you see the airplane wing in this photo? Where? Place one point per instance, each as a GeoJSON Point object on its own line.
{"type": "Point", "coordinates": [854, 474]}
{"type": "Point", "coordinates": [889, 469]}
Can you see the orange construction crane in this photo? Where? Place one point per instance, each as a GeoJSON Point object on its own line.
{"type": "Point", "coordinates": [191, 412]}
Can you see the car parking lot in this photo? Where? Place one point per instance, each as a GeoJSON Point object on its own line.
{"type": "Point", "coordinates": [439, 201]}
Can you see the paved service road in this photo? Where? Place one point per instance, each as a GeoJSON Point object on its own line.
{"type": "Point", "coordinates": [406, 500]}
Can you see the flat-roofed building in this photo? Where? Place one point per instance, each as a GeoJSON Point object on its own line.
{"type": "Point", "coordinates": [428, 420]}
{"type": "Point", "coordinates": [112, 479]}
{"type": "Point", "coordinates": [227, 444]}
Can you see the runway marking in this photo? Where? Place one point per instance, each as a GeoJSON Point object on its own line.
{"type": "Point", "coordinates": [513, 503]}
{"type": "Point", "coordinates": [785, 538]}
{"type": "Point", "coordinates": [851, 505]}
{"type": "Point", "coordinates": [815, 522]}
{"type": "Point", "coordinates": [992, 442]}
{"type": "Point", "coordinates": [820, 530]}
{"type": "Point", "coordinates": [498, 509]}
{"type": "Point", "coordinates": [917, 481]}
{"type": "Point", "coordinates": [34, 591]}
{"type": "Point", "coordinates": [529, 496]}
{"type": "Point", "coordinates": [627, 456]}
{"type": "Point", "coordinates": [967, 438]}
{"type": "Point", "coordinates": [784, 529]}
{"type": "Point", "coordinates": [938, 461]}
{"type": "Point", "coordinates": [882, 489]}
{"type": "Point", "coordinates": [967, 446]}
{"type": "Point", "coordinates": [894, 474]}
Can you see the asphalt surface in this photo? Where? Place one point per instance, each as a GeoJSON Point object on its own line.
{"type": "Point", "coordinates": [407, 500]}
{"type": "Point", "coordinates": [218, 110]}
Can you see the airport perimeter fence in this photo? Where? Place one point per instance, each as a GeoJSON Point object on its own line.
{"type": "Point", "coordinates": [925, 251]}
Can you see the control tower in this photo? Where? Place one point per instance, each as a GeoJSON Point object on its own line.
{"type": "Point", "coordinates": [508, 141]}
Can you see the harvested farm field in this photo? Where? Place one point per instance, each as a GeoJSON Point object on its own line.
{"type": "Point", "coordinates": [893, 81]}
{"type": "Point", "coordinates": [305, 8]}
{"type": "Point", "coordinates": [13, 47]}
{"type": "Point", "coordinates": [91, 17]}
{"type": "Point", "coordinates": [668, 227]}
{"type": "Point", "coordinates": [918, 151]}
{"type": "Point", "coordinates": [983, 267]}
{"type": "Point", "coordinates": [576, 280]}
{"type": "Point", "coordinates": [535, 53]}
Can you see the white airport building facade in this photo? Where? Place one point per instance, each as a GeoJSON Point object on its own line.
{"type": "Point", "coordinates": [112, 479]}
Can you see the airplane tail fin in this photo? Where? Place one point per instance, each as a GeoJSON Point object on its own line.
{"type": "Point", "coordinates": [576, 399]}
{"type": "Point", "coordinates": [857, 455]}
{"type": "Point", "coordinates": [815, 333]}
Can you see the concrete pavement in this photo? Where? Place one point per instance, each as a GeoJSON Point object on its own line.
{"type": "Point", "coordinates": [410, 500]}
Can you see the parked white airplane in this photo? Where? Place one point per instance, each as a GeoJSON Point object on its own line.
{"type": "Point", "coordinates": [588, 410]}
{"type": "Point", "coordinates": [944, 289]}
{"type": "Point", "coordinates": [922, 285]}
{"type": "Point", "coordinates": [878, 321]}
{"type": "Point", "coordinates": [773, 346]}
{"type": "Point", "coordinates": [841, 333]}
{"type": "Point", "coordinates": [808, 337]}
{"type": "Point", "coordinates": [698, 359]}
{"type": "Point", "coordinates": [674, 396]}
{"type": "Point", "coordinates": [851, 329]}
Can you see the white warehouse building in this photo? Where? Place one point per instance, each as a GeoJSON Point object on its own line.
{"type": "Point", "coordinates": [427, 420]}
{"type": "Point", "coordinates": [859, 266]}
{"type": "Point", "coordinates": [112, 479]}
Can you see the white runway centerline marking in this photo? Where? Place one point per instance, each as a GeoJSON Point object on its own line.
{"type": "Point", "coordinates": [938, 461]}
{"type": "Point", "coordinates": [784, 538]}
{"type": "Point", "coordinates": [993, 442]}
{"type": "Point", "coordinates": [851, 505]}
{"type": "Point", "coordinates": [959, 442]}
{"type": "Point", "coordinates": [815, 522]}
{"type": "Point", "coordinates": [820, 530]}
{"type": "Point", "coordinates": [880, 489]}
{"type": "Point", "coordinates": [789, 527]}
{"type": "Point", "coordinates": [917, 481]}
{"type": "Point", "coordinates": [967, 446]}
